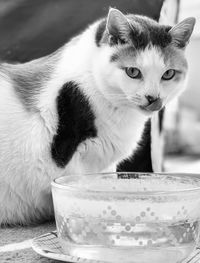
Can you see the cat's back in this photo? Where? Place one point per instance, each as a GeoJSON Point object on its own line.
{"type": "Point", "coordinates": [20, 120]}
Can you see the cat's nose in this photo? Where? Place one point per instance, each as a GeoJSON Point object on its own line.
{"type": "Point", "coordinates": [151, 99]}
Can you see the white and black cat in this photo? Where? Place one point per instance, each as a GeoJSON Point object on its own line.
{"type": "Point", "coordinates": [83, 108]}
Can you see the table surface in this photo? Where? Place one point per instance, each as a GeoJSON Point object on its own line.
{"type": "Point", "coordinates": [15, 244]}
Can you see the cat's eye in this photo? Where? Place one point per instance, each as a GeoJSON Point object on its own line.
{"type": "Point", "coordinates": [169, 74]}
{"type": "Point", "coordinates": [133, 73]}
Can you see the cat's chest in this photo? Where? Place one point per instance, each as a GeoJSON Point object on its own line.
{"type": "Point", "coordinates": [116, 139]}
{"type": "Point", "coordinates": [123, 131]}
{"type": "Point", "coordinates": [127, 138]}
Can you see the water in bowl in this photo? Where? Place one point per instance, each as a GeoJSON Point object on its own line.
{"type": "Point", "coordinates": [112, 241]}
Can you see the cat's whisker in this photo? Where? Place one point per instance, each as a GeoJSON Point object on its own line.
{"type": "Point", "coordinates": [124, 99]}
{"type": "Point", "coordinates": [122, 96]}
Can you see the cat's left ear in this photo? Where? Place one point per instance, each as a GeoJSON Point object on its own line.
{"type": "Point", "coordinates": [117, 26]}
{"type": "Point", "coordinates": [181, 32]}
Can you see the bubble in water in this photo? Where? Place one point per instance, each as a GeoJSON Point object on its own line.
{"type": "Point", "coordinates": [143, 214]}
{"type": "Point", "coordinates": [113, 212]}
{"type": "Point", "coordinates": [128, 228]}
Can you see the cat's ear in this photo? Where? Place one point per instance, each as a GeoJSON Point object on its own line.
{"type": "Point", "coordinates": [181, 32]}
{"type": "Point", "coordinates": [117, 26]}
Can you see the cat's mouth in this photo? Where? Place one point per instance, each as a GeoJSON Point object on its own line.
{"type": "Point", "coordinates": [155, 106]}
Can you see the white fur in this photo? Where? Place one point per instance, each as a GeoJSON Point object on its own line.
{"type": "Point", "coordinates": [26, 166]}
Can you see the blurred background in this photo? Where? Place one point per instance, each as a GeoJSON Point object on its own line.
{"type": "Point", "coordinates": [182, 123]}
{"type": "Point", "coordinates": [31, 29]}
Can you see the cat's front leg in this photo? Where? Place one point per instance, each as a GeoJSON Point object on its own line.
{"type": "Point", "coordinates": [97, 155]}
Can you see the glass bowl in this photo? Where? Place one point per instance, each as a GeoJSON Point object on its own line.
{"type": "Point", "coordinates": [128, 217]}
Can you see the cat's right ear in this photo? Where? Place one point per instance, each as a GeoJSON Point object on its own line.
{"type": "Point", "coordinates": [117, 27]}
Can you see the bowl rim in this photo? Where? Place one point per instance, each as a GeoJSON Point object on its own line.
{"type": "Point", "coordinates": [55, 184]}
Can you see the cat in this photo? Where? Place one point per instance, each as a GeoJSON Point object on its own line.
{"type": "Point", "coordinates": [83, 108]}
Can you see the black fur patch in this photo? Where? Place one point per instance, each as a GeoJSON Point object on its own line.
{"type": "Point", "coordinates": [140, 161]}
{"type": "Point", "coordinates": [75, 123]}
{"type": "Point", "coordinates": [161, 115]}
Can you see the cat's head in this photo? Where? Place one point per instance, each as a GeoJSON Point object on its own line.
{"type": "Point", "coordinates": [141, 63]}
